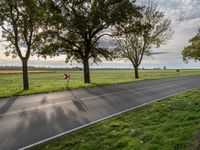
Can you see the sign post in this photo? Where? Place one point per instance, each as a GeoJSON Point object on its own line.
{"type": "Point", "coordinates": [67, 78]}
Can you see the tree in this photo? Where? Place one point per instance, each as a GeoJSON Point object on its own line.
{"type": "Point", "coordinates": [193, 50]}
{"type": "Point", "coordinates": [76, 26]}
{"type": "Point", "coordinates": [21, 23]}
{"type": "Point", "coordinates": [138, 36]}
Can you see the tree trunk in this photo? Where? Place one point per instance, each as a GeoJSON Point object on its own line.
{"type": "Point", "coordinates": [86, 70]}
{"type": "Point", "coordinates": [136, 72]}
{"type": "Point", "coordinates": [25, 74]}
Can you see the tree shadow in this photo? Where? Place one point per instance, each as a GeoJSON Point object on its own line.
{"type": "Point", "coordinates": [9, 102]}
{"type": "Point", "coordinates": [31, 127]}
{"type": "Point", "coordinates": [78, 103]}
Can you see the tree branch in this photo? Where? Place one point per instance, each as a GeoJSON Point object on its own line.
{"type": "Point", "coordinates": [7, 31]}
{"type": "Point", "coordinates": [96, 40]}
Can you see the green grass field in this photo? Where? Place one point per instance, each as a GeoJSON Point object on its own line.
{"type": "Point", "coordinates": [170, 124]}
{"type": "Point", "coordinates": [11, 83]}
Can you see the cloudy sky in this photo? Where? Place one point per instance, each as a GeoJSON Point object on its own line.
{"type": "Point", "coordinates": [185, 17]}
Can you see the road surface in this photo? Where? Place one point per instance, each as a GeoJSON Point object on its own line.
{"type": "Point", "coordinates": [26, 120]}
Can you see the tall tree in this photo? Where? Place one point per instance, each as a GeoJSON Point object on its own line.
{"type": "Point", "coordinates": [137, 37]}
{"type": "Point", "coordinates": [76, 26]}
{"type": "Point", "coordinates": [20, 21]}
{"type": "Point", "coordinates": [193, 50]}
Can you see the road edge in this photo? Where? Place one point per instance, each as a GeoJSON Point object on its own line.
{"type": "Point", "coordinates": [99, 120]}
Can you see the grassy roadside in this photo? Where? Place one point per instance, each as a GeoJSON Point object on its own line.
{"type": "Point", "coordinates": [40, 82]}
{"type": "Point", "coordinates": [171, 124]}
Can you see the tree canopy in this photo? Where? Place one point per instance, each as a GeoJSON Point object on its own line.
{"type": "Point", "coordinates": [76, 26]}
{"type": "Point", "coordinates": [136, 37]}
{"type": "Point", "coordinates": [21, 22]}
{"type": "Point", "coordinates": [193, 50]}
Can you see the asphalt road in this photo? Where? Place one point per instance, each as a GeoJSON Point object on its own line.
{"type": "Point", "coordinates": [27, 120]}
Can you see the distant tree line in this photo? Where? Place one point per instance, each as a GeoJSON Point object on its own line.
{"type": "Point", "coordinates": [71, 68]}
{"type": "Point", "coordinates": [75, 28]}
{"type": "Point", "coordinates": [38, 68]}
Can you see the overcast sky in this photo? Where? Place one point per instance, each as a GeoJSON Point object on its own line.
{"type": "Point", "coordinates": [185, 17]}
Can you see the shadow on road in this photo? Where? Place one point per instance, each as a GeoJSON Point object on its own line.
{"type": "Point", "coordinates": [28, 126]}
{"type": "Point", "coordinates": [7, 105]}
{"type": "Point", "coordinates": [78, 103]}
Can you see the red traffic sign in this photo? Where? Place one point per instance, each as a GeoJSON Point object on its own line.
{"type": "Point", "coordinates": [66, 76]}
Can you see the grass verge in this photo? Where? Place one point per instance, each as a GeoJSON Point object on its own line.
{"type": "Point", "coordinates": [170, 124]}
{"type": "Point", "coordinates": [40, 82]}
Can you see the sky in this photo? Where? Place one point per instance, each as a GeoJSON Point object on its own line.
{"type": "Point", "coordinates": [185, 17]}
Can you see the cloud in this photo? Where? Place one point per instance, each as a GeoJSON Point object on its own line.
{"type": "Point", "coordinates": [181, 10]}
{"type": "Point", "coordinates": [185, 17]}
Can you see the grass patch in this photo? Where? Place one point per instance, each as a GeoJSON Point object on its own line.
{"type": "Point", "coordinates": [11, 83]}
{"type": "Point", "coordinates": [170, 124]}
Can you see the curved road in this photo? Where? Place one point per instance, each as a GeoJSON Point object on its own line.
{"type": "Point", "coordinates": [26, 120]}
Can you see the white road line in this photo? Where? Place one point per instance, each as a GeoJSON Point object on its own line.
{"type": "Point", "coordinates": [91, 123]}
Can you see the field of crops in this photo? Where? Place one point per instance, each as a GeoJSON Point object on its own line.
{"type": "Point", "coordinates": [19, 71]}
{"type": "Point", "coordinates": [50, 80]}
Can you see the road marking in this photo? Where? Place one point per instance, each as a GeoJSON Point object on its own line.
{"type": "Point", "coordinates": [82, 99]}
{"type": "Point", "coordinates": [96, 121]}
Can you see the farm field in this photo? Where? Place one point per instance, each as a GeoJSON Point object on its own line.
{"type": "Point", "coordinates": [19, 71]}
{"type": "Point", "coordinates": [47, 81]}
{"type": "Point", "coordinates": [170, 124]}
